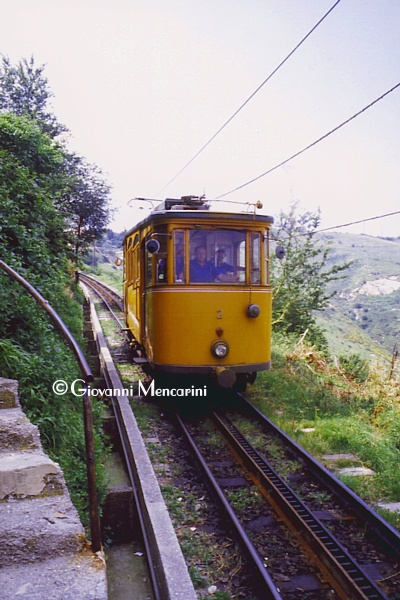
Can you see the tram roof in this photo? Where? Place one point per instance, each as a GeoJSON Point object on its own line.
{"type": "Point", "coordinates": [198, 216]}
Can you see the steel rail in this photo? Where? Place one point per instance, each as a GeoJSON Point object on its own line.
{"type": "Point", "coordinates": [103, 289]}
{"type": "Point", "coordinates": [100, 292]}
{"type": "Point", "coordinates": [252, 556]}
{"type": "Point", "coordinates": [87, 402]}
{"type": "Point", "coordinates": [389, 536]}
{"type": "Point", "coordinates": [338, 567]}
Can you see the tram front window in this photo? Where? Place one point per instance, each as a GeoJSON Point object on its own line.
{"type": "Point", "coordinates": [217, 256]}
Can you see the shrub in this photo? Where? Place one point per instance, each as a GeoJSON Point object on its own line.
{"type": "Point", "coordinates": [354, 367]}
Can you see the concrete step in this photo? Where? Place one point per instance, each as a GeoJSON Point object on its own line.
{"type": "Point", "coordinates": [39, 528]}
{"type": "Point", "coordinates": [17, 432]}
{"type": "Point", "coordinates": [80, 576]}
{"type": "Point", "coordinates": [25, 474]}
{"type": "Point", "coordinates": [43, 549]}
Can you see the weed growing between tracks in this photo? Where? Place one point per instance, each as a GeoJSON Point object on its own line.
{"type": "Point", "coordinates": [325, 407]}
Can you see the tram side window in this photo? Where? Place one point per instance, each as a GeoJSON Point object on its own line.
{"type": "Point", "coordinates": [135, 265]}
{"type": "Point", "coordinates": [255, 258]}
{"type": "Point", "coordinates": [179, 256]}
{"type": "Point", "coordinates": [161, 257]}
{"type": "Point", "coordinates": [149, 269]}
{"type": "Point", "coordinates": [127, 262]}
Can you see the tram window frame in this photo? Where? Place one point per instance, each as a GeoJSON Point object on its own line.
{"type": "Point", "coordinates": [255, 258]}
{"type": "Point", "coordinates": [149, 269]}
{"type": "Point", "coordinates": [179, 269]}
{"type": "Point", "coordinates": [266, 257]}
{"type": "Point", "coordinates": [127, 262]}
{"type": "Point", "coordinates": [156, 264]}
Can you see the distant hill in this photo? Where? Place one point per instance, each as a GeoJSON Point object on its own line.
{"type": "Point", "coordinates": [364, 315]}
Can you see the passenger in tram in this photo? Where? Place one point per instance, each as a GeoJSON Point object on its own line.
{"type": "Point", "coordinates": [223, 270]}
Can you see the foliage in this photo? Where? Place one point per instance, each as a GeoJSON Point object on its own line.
{"type": "Point", "coordinates": [86, 203]}
{"type": "Point", "coordinates": [79, 191]}
{"type": "Point", "coordinates": [24, 91]}
{"type": "Point", "coordinates": [355, 367]}
{"type": "Point", "coordinates": [32, 231]}
{"type": "Point", "coordinates": [300, 279]}
{"type": "Point", "coordinates": [36, 240]}
{"type": "Point", "coordinates": [329, 410]}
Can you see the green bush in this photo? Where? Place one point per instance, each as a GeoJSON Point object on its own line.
{"type": "Point", "coordinates": [355, 367]}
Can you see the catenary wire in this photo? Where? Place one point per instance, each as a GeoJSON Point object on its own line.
{"type": "Point", "coordinates": [391, 214]}
{"type": "Point", "coordinates": [397, 212]}
{"type": "Point", "coordinates": [249, 98]}
{"type": "Point", "coordinates": [284, 162]}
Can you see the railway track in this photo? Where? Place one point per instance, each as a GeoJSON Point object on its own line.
{"type": "Point", "coordinates": [335, 565]}
{"type": "Point", "coordinates": [166, 567]}
{"type": "Point", "coordinates": [335, 573]}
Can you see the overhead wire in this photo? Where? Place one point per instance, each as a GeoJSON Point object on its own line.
{"type": "Point", "coordinates": [323, 137]}
{"type": "Point", "coordinates": [249, 98]}
{"type": "Point", "coordinates": [391, 214]}
{"type": "Point", "coordinates": [397, 212]}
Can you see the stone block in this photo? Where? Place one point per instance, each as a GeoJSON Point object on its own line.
{"type": "Point", "coordinates": [24, 474]}
{"type": "Point", "coordinates": [17, 432]}
{"type": "Point", "coordinates": [38, 528]}
{"type": "Point", "coordinates": [76, 576]}
{"type": "Point", "coordinates": [8, 393]}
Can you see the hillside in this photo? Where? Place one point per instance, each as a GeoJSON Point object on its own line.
{"type": "Point", "coordinates": [364, 314]}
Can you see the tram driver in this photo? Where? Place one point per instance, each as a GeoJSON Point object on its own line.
{"type": "Point", "coordinates": [201, 269]}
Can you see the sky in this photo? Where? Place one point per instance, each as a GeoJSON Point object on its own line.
{"type": "Point", "coordinates": [143, 85]}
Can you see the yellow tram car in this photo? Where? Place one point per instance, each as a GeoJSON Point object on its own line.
{"type": "Point", "coordinates": [196, 291]}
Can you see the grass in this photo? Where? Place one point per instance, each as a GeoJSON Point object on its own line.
{"type": "Point", "coordinates": [108, 273]}
{"type": "Point", "coordinates": [305, 390]}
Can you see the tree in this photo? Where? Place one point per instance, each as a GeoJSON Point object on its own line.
{"type": "Point", "coordinates": [86, 204]}
{"type": "Point", "coordinates": [80, 193]}
{"type": "Point", "coordinates": [300, 279]}
{"type": "Point", "coordinates": [35, 239]}
{"type": "Point", "coordinates": [33, 234]}
{"type": "Point", "coordinates": [24, 91]}
{"type": "Point", "coordinates": [31, 182]}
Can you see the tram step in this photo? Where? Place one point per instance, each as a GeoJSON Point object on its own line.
{"type": "Point", "coordinates": [140, 360]}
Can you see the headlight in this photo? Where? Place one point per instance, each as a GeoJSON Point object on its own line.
{"type": "Point", "coordinates": [253, 310]}
{"type": "Point", "coordinates": [219, 349]}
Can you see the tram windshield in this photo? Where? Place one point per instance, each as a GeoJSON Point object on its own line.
{"type": "Point", "coordinates": [217, 256]}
